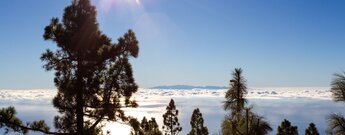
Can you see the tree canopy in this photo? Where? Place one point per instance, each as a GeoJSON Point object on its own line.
{"type": "Point", "coordinates": [92, 74]}
{"type": "Point", "coordinates": [171, 125]}
{"type": "Point", "coordinates": [286, 128]}
{"type": "Point", "coordinates": [235, 96]}
{"type": "Point", "coordinates": [336, 122]}
{"type": "Point", "coordinates": [247, 124]}
{"type": "Point", "coordinates": [311, 130]}
{"type": "Point", "coordinates": [197, 124]}
{"type": "Point", "coordinates": [145, 127]}
{"type": "Point", "coordinates": [241, 119]}
{"type": "Point", "coordinates": [338, 87]}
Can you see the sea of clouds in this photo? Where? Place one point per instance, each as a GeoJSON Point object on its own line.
{"type": "Point", "coordinates": [301, 105]}
{"type": "Point", "coordinates": [44, 95]}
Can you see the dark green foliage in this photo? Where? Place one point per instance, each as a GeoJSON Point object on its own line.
{"type": "Point", "coordinates": [136, 127]}
{"type": "Point", "coordinates": [241, 120]}
{"type": "Point", "coordinates": [258, 125]}
{"type": "Point", "coordinates": [170, 120]}
{"type": "Point", "coordinates": [145, 127]}
{"type": "Point", "coordinates": [336, 124]}
{"type": "Point", "coordinates": [144, 124]}
{"type": "Point", "coordinates": [10, 122]}
{"type": "Point", "coordinates": [286, 128]}
{"type": "Point", "coordinates": [151, 128]}
{"type": "Point", "coordinates": [311, 130]}
{"type": "Point", "coordinates": [235, 101]}
{"type": "Point", "coordinates": [338, 87]}
{"type": "Point", "coordinates": [8, 119]}
{"type": "Point", "coordinates": [247, 124]}
{"type": "Point", "coordinates": [197, 124]}
{"type": "Point", "coordinates": [92, 74]}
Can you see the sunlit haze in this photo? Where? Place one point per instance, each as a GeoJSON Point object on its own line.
{"type": "Point", "coordinates": [192, 42]}
{"type": "Point", "coordinates": [177, 67]}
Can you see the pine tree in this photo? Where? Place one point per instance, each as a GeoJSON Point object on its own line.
{"type": "Point", "coordinates": [136, 127]}
{"type": "Point", "coordinates": [92, 74]}
{"type": "Point", "coordinates": [145, 127]}
{"type": "Point", "coordinates": [170, 120]}
{"type": "Point", "coordinates": [241, 120]}
{"type": "Point", "coordinates": [11, 122]}
{"type": "Point", "coordinates": [153, 128]}
{"type": "Point", "coordinates": [286, 128]}
{"type": "Point", "coordinates": [235, 101]}
{"type": "Point", "coordinates": [311, 130]}
{"type": "Point", "coordinates": [197, 124]}
{"type": "Point", "coordinates": [144, 124]}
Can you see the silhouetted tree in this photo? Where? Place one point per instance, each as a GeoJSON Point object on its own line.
{"type": "Point", "coordinates": [311, 130]}
{"type": "Point", "coordinates": [336, 124]}
{"type": "Point", "coordinates": [197, 124]}
{"type": "Point", "coordinates": [170, 120]}
{"type": "Point", "coordinates": [338, 87]}
{"type": "Point", "coordinates": [153, 128]}
{"type": "Point", "coordinates": [10, 122]}
{"type": "Point", "coordinates": [144, 124]}
{"type": "Point", "coordinates": [241, 120]}
{"type": "Point", "coordinates": [235, 101]}
{"type": "Point", "coordinates": [136, 127]}
{"type": "Point", "coordinates": [258, 125]}
{"type": "Point", "coordinates": [248, 124]}
{"type": "Point", "coordinates": [150, 127]}
{"type": "Point", "coordinates": [286, 128]}
{"type": "Point", "coordinates": [145, 127]}
{"type": "Point", "coordinates": [337, 121]}
{"type": "Point", "coordinates": [92, 74]}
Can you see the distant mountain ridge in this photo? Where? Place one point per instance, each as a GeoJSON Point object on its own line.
{"type": "Point", "coordinates": [188, 87]}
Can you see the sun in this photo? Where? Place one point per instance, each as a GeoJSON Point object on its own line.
{"type": "Point", "coordinates": [137, 1]}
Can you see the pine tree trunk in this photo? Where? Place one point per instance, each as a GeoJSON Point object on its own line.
{"type": "Point", "coordinates": [80, 101]}
{"type": "Point", "coordinates": [171, 126]}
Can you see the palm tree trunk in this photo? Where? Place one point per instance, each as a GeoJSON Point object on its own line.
{"type": "Point", "coordinates": [247, 124]}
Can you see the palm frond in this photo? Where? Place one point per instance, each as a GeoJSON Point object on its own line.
{"type": "Point", "coordinates": [338, 87]}
{"type": "Point", "coordinates": [336, 124]}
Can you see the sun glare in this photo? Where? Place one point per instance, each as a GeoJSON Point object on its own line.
{"type": "Point", "coordinates": [106, 5]}
{"type": "Point", "coordinates": [137, 1]}
{"type": "Point", "coordinates": [116, 128]}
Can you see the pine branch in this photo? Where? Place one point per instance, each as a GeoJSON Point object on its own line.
{"type": "Point", "coordinates": [36, 129]}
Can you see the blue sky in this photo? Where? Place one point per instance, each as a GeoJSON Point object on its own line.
{"type": "Point", "coordinates": [195, 42]}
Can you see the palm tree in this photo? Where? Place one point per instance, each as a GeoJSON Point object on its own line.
{"type": "Point", "coordinates": [259, 126]}
{"type": "Point", "coordinates": [229, 127]}
{"type": "Point", "coordinates": [338, 87]}
{"type": "Point", "coordinates": [249, 123]}
{"type": "Point", "coordinates": [336, 124]}
{"type": "Point", "coordinates": [235, 100]}
{"type": "Point", "coordinates": [337, 121]}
